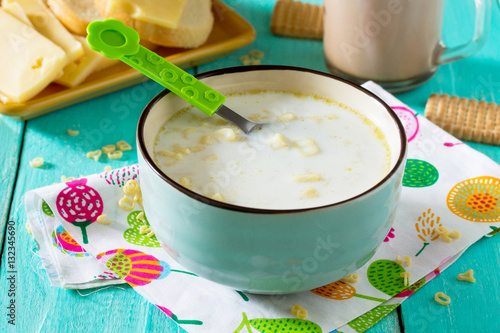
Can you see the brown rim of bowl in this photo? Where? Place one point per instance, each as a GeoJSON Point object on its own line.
{"type": "Point", "coordinates": [241, 69]}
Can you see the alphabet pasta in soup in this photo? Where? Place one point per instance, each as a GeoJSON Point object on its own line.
{"type": "Point", "coordinates": [311, 152]}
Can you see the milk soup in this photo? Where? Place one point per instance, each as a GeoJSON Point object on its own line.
{"type": "Point", "coordinates": [311, 152]}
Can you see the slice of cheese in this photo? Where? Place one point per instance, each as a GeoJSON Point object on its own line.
{"type": "Point", "coordinates": [105, 63]}
{"type": "Point", "coordinates": [76, 71]}
{"type": "Point", "coordinates": [15, 9]}
{"type": "Point", "coordinates": [29, 60]}
{"type": "Point", "coordinates": [163, 13]}
{"type": "Point", "coordinates": [48, 25]}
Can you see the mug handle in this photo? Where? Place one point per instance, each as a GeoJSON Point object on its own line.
{"type": "Point", "coordinates": [481, 32]}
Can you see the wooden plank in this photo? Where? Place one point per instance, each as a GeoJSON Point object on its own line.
{"type": "Point", "coordinates": [11, 133]}
{"type": "Point", "coordinates": [43, 308]}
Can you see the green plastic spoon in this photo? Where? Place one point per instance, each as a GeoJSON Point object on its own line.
{"type": "Point", "coordinates": [115, 40]}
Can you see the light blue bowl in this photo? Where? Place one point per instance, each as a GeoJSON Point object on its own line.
{"type": "Point", "coordinates": [271, 251]}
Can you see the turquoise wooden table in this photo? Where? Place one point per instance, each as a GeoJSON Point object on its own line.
{"type": "Point", "coordinates": [113, 117]}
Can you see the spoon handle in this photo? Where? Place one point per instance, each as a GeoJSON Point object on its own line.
{"type": "Point", "coordinates": [115, 40]}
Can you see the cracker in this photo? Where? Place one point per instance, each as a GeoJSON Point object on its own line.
{"type": "Point", "coordinates": [466, 119]}
{"type": "Point", "coordinates": [298, 20]}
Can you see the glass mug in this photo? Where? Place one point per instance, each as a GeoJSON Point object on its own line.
{"type": "Point", "coordinates": [396, 43]}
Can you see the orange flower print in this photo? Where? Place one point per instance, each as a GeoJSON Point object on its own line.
{"type": "Point", "coordinates": [426, 227]}
{"type": "Point", "coordinates": [476, 199]}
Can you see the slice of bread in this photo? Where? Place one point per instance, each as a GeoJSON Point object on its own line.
{"type": "Point", "coordinates": [193, 28]}
{"type": "Point", "coordinates": [75, 14]}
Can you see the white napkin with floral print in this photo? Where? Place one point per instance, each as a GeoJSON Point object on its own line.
{"type": "Point", "coordinates": [446, 184]}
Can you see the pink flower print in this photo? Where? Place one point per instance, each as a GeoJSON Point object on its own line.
{"type": "Point", "coordinates": [66, 244]}
{"type": "Point", "coordinates": [176, 319]}
{"type": "Point", "coordinates": [409, 119]}
{"type": "Point", "coordinates": [79, 204]}
{"type": "Point", "coordinates": [389, 235]}
{"type": "Point", "coordinates": [121, 176]}
{"type": "Point", "coordinates": [134, 267]}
